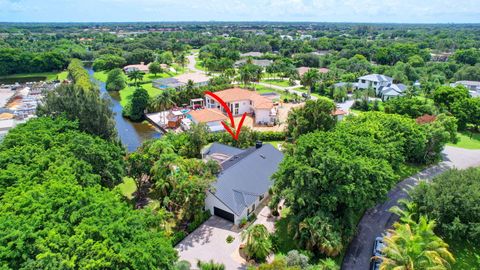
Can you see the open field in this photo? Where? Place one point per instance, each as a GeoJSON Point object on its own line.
{"type": "Point", "coordinates": [277, 82]}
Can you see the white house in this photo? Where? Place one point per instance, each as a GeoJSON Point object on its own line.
{"type": "Point", "coordinates": [244, 180]}
{"type": "Point", "coordinates": [472, 86]}
{"type": "Point", "coordinates": [245, 101]}
{"type": "Point", "coordinates": [374, 81]}
{"type": "Point", "coordinates": [212, 117]}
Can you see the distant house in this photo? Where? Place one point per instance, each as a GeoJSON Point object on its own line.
{"type": "Point", "coordinates": [383, 86]}
{"type": "Point", "coordinates": [472, 86]}
{"type": "Point", "coordinates": [245, 101]}
{"type": "Point", "coordinates": [212, 117]}
{"type": "Point", "coordinates": [244, 180]}
{"type": "Point", "coordinates": [140, 67]}
{"type": "Point", "coordinates": [258, 62]}
{"type": "Point", "coordinates": [303, 70]}
{"type": "Point", "coordinates": [339, 114]}
{"type": "Point", "coordinates": [198, 80]}
{"type": "Point", "coordinates": [251, 54]}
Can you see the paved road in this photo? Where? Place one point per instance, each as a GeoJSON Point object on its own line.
{"type": "Point", "coordinates": [191, 64]}
{"type": "Point", "coordinates": [376, 220]}
{"type": "Point", "coordinates": [291, 89]}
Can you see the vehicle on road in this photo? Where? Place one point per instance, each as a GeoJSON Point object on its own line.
{"type": "Point", "coordinates": [378, 246]}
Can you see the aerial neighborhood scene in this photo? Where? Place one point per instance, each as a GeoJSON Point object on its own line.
{"type": "Point", "coordinates": [240, 135]}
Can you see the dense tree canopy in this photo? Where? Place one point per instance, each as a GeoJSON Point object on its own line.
{"type": "Point", "coordinates": [314, 115]}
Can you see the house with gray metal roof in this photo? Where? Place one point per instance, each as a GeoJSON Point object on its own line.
{"type": "Point", "coordinates": [244, 180]}
{"type": "Point", "coordinates": [374, 81]}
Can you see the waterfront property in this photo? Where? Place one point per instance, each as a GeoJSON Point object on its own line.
{"type": "Point", "coordinates": [242, 101]}
{"type": "Point", "coordinates": [244, 181]}
{"type": "Point", "coordinates": [212, 117]}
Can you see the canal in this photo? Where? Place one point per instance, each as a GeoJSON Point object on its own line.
{"type": "Point", "coordinates": [131, 134]}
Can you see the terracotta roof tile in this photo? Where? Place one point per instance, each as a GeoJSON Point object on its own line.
{"type": "Point", "coordinates": [207, 115]}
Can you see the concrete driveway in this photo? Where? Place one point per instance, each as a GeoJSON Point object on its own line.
{"type": "Point", "coordinates": [378, 219]}
{"type": "Point", "coordinates": [208, 241]}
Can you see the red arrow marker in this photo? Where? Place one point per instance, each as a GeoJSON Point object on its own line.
{"type": "Point", "coordinates": [230, 115]}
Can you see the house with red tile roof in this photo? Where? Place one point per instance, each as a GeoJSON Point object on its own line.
{"type": "Point", "coordinates": [247, 101]}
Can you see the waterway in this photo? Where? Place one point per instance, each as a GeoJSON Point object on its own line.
{"type": "Point", "coordinates": [131, 134]}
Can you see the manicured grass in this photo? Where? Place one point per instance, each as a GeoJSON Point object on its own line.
{"type": "Point", "coordinates": [263, 89]}
{"type": "Point", "coordinates": [468, 140]}
{"type": "Point", "coordinates": [277, 82]}
{"type": "Point", "coordinates": [466, 254]}
{"type": "Point", "coordinates": [198, 65]}
{"type": "Point", "coordinates": [304, 90]}
{"type": "Point", "coordinates": [285, 241]}
{"type": "Point", "coordinates": [103, 75]}
{"type": "Point", "coordinates": [49, 75]}
{"type": "Point", "coordinates": [100, 75]}
{"type": "Point", "coordinates": [128, 187]}
{"type": "Point", "coordinates": [128, 91]}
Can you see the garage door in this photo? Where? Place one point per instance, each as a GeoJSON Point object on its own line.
{"type": "Point", "coordinates": [223, 214]}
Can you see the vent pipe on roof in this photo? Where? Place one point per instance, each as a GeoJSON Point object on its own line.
{"type": "Point", "coordinates": [258, 144]}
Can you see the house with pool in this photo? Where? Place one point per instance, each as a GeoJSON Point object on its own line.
{"type": "Point", "coordinates": [241, 101]}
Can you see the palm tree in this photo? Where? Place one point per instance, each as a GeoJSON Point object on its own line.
{"type": "Point", "coordinates": [413, 245]}
{"type": "Point", "coordinates": [162, 102]}
{"type": "Point", "coordinates": [316, 234]}
{"type": "Point", "coordinates": [245, 76]}
{"type": "Point", "coordinates": [182, 60]}
{"type": "Point", "coordinates": [258, 243]}
{"type": "Point", "coordinates": [135, 75]}
{"type": "Point", "coordinates": [310, 78]}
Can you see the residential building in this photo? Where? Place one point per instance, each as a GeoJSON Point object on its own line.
{"type": "Point", "coordinates": [258, 62]}
{"type": "Point", "coordinates": [244, 180]}
{"type": "Point", "coordinates": [251, 54]}
{"type": "Point", "coordinates": [242, 101]}
{"type": "Point", "coordinates": [140, 67]}
{"type": "Point", "coordinates": [198, 80]}
{"type": "Point", "coordinates": [374, 81]}
{"type": "Point", "coordinates": [383, 86]}
{"type": "Point", "coordinates": [472, 86]}
{"type": "Point", "coordinates": [212, 117]}
{"type": "Point", "coordinates": [303, 70]}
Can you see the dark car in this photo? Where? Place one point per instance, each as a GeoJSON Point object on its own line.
{"type": "Point", "coordinates": [378, 245]}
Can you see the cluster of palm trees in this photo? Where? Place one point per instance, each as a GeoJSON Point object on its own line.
{"type": "Point", "coordinates": [412, 243]}
{"type": "Point", "coordinates": [258, 243]}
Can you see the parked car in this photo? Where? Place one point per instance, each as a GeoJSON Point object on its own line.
{"type": "Point", "coordinates": [378, 245]}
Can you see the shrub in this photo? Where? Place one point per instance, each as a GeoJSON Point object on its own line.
{"type": "Point", "coordinates": [230, 239]}
{"type": "Point", "coordinates": [178, 236]}
{"type": "Point", "coordinates": [243, 222]}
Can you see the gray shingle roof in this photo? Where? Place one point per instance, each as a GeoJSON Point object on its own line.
{"type": "Point", "coordinates": [376, 78]}
{"type": "Point", "coordinates": [247, 177]}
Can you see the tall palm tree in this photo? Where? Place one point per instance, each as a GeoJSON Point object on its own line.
{"type": "Point", "coordinates": [412, 246]}
{"type": "Point", "coordinates": [258, 244]}
{"type": "Point", "coordinates": [310, 78]}
{"type": "Point", "coordinates": [316, 234]}
{"type": "Point", "coordinates": [135, 75]}
{"type": "Point", "coordinates": [245, 76]}
{"type": "Point", "coordinates": [162, 102]}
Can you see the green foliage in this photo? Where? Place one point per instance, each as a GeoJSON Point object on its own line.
{"type": "Point", "coordinates": [414, 245]}
{"type": "Point", "coordinates": [155, 68]}
{"type": "Point", "coordinates": [108, 62]}
{"type": "Point", "coordinates": [413, 107]}
{"type": "Point", "coordinates": [438, 133]}
{"type": "Point", "coordinates": [230, 239]}
{"type": "Point", "coordinates": [54, 212]}
{"type": "Point", "coordinates": [469, 56]}
{"type": "Point", "coordinates": [452, 200]}
{"type": "Point", "coordinates": [446, 96]}
{"type": "Point", "coordinates": [467, 112]}
{"type": "Point", "coordinates": [92, 112]}
{"type": "Point", "coordinates": [258, 244]}
{"type": "Point", "coordinates": [139, 101]}
{"type": "Point", "coordinates": [315, 115]}
{"type": "Point", "coordinates": [45, 146]}
{"type": "Point", "coordinates": [23, 60]}
{"type": "Point", "coordinates": [115, 80]}
{"type": "Point", "coordinates": [79, 75]}
{"type": "Point", "coordinates": [211, 265]}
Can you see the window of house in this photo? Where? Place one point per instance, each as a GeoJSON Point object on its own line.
{"type": "Point", "coordinates": [363, 81]}
{"type": "Point", "coordinates": [260, 198]}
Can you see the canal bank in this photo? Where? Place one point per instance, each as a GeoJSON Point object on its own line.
{"type": "Point", "coordinates": [131, 134]}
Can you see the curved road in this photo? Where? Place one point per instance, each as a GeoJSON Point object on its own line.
{"type": "Point", "coordinates": [377, 219]}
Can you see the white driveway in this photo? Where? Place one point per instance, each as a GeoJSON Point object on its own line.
{"type": "Point", "coordinates": [208, 242]}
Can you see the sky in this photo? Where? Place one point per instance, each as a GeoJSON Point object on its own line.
{"type": "Point", "coordinates": [396, 11]}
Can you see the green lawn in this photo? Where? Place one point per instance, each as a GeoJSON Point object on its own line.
{"type": "Point", "coordinates": [263, 89]}
{"type": "Point", "coordinates": [276, 143]}
{"type": "Point", "coordinates": [304, 90]}
{"type": "Point", "coordinates": [128, 91]}
{"type": "Point", "coordinates": [468, 140]}
{"type": "Point", "coordinates": [198, 65]}
{"type": "Point", "coordinates": [102, 76]}
{"type": "Point", "coordinates": [277, 82]}
{"type": "Point", "coordinates": [467, 256]}
{"type": "Point", "coordinates": [128, 187]}
{"type": "Point", "coordinates": [49, 75]}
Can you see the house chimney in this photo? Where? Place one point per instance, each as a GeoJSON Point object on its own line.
{"type": "Point", "coordinates": [258, 144]}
